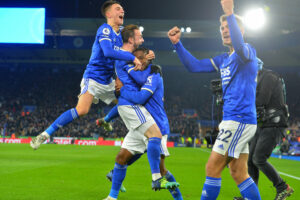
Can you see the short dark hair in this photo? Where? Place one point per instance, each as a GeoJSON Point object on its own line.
{"type": "Point", "coordinates": [128, 32]}
{"type": "Point", "coordinates": [143, 49]}
{"type": "Point", "coordinates": [106, 5]}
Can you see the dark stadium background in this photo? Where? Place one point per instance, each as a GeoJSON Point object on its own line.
{"type": "Point", "coordinates": [48, 75]}
{"type": "Point", "coordinates": [40, 81]}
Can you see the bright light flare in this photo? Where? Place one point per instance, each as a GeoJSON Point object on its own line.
{"type": "Point", "coordinates": [255, 19]}
{"type": "Point", "coordinates": [141, 28]}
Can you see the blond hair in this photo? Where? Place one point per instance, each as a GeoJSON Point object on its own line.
{"type": "Point", "coordinates": [238, 18]}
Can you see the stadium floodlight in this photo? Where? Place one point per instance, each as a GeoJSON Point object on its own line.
{"type": "Point", "coordinates": [141, 28]}
{"type": "Point", "coordinates": [188, 29]}
{"type": "Point", "coordinates": [182, 29]}
{"type": "Point", "coordinates": [255, 19]}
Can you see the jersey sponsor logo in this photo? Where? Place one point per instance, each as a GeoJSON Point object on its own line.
{"type": "Point", "coordinates": [225, 74]}
{"type": "Point", "coordinates": [149, 81]}
{"type": "Point", "coordinates": [225, 71]}
{"type": "Point", "coordinates": [106, 31]}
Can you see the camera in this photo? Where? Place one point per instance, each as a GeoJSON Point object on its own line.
{"type": "Point", "coordinates": [216, 88]}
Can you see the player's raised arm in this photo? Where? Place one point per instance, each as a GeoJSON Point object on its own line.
{"type": "Point", "coordinates": [236, 32]}
{"type": "Point", "coordinates": [109, 52]}
{"type": "Point", "coordinates": [188, 60]}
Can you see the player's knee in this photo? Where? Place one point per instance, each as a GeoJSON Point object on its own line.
{"type": "Point", "coordinates": [211, 170]}
{"type": "Point", "coordinates": [234, 173]}
{"type": "Point", "coordinates": [120, 159]}
{"type": "Point", "coordinates": [153, 131]}
{"type": "Point", "coordinates": [82, 110]}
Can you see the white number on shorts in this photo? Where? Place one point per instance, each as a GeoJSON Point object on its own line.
{"type": "Point", "coordinates": [227, 135]}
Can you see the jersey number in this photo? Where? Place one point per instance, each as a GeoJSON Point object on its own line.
{"type": "Point", "coordinates": [227, 135]}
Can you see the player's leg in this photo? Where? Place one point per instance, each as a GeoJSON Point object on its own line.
{"type": "Point", "coordinates": [133, 144]}
{"type": "Point", "coordinates": [267, 141]}
{"type": "Point", "coordinates": [252, 169]}
{"type": "Point", "coordinates": [83, 106]}
{"type": "Point", "coordinates": [132, 160]}
{"type": "Point", "coordinates": [119, 172]}
{"type": "Point", "coordinates": [239, 172]}
{"type": "Point", "coordinates": [153, 150]}
{"type": "Point", "coordinates": [239, 151]}
{"type": "Point", "coordinates": [163, 170]}
{"type": "Point", "coordinates": [105, 122]}
{"type": "Point", "coordinates": [218, 159]}
{"type": "Point", "coordinates": [137, 118]}
{"type": "Point", "coordinates": [108, 97]}
{"type": "Point", "coordinates": [214, 168]}
{"type": "Point", "coordinates": [176, 194]}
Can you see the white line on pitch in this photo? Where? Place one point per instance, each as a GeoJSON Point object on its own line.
{"type": "Point", "coordinates": [294, 177]}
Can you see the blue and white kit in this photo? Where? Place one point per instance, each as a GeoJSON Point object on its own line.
{"type": "Point", "coordinates": [97, 77]}
{"type": "Point", "coordinates": [238, 72]}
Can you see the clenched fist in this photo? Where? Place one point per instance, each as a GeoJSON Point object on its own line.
{"type": "Point", "coordinates": [174, 34]}
{"type": "Point", "coordinates": [227, 6]}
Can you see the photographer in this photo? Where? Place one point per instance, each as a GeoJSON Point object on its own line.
{"type": "Point", "coordinates": [272, 114]}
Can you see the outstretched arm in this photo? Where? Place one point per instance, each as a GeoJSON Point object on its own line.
{"type": "Point", "coordinates": [188, 60]}
{"type": "Point", "coordinates": [115, 54]}
{"type": "Point", "coordinates": [191, 63]}
{"type": "Point", "coordinates": [108, 51]}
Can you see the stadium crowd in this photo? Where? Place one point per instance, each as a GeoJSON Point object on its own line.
{"type": "Point", "coordinates": [49, 91]}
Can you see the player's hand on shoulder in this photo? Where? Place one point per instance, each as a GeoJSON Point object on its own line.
{"type": "Point", "coordinates": [227, 6]}
{"type": "Point", "coordinates": [137, 64]}
{"type": "Point", "coordinates": [156, 69]}
{"type": "Point", "coordinates": [174, 35]}
{"type": "Point", "coordinates": [150, 55]}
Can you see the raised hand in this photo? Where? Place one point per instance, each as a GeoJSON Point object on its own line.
{"type": "Point", "coordinates": [227, 6]}
{"type": "Point", "coordinates": [174, 35]}
{"type": "Point", "coordinates": [137, 63]}
{"type": "Point", "coordinates": [150, 55]}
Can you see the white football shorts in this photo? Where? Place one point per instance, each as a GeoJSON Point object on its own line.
{"type": "Point", "coordinates": [234, 138]}
{"type": "Point", "coordinates": [136, 143]}
{"type": "Point", "coordinates": [103, 92]}
{"type": "Point", "coordinates": [136, 117]}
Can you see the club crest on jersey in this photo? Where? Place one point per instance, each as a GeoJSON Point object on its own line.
{"type": "Point", "coordinates": [149, 81]}
{"type": "Point", "coordinates": [106, 31]}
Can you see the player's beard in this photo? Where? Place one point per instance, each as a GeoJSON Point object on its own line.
{"type": "Point", "coordinates": [135, 45]}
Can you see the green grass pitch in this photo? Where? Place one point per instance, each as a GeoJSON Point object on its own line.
{"type": "Point", "coordinates": [67, 172]}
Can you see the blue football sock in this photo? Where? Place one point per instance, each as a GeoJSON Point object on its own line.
{"type": "Point", "coordinates": [113, 113]}
{"type": "Point", "coordinates": [134, 158]}
{"type": "Point", "coordinates": [249, 189]}
{"type": "Point", "coordinates": [211, 188]}
{"type": "Point", "coordinates": [117, 179]}
{"type": "Point", "coordinates": [175, 193]}
{"type": "Point", "coordinates": [153, 153]}
{"type": "Point", "coordinates": [62, 120]}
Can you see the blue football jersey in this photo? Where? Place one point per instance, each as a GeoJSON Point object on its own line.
{"type": "Point", "coordinates": [155, 104]}
{"type": "Point", "coordinates": [239, 85]}
{"type": "Point", "coordinates": [101, 68]}
{"type": "Point", "coordinates": [123, 69]}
